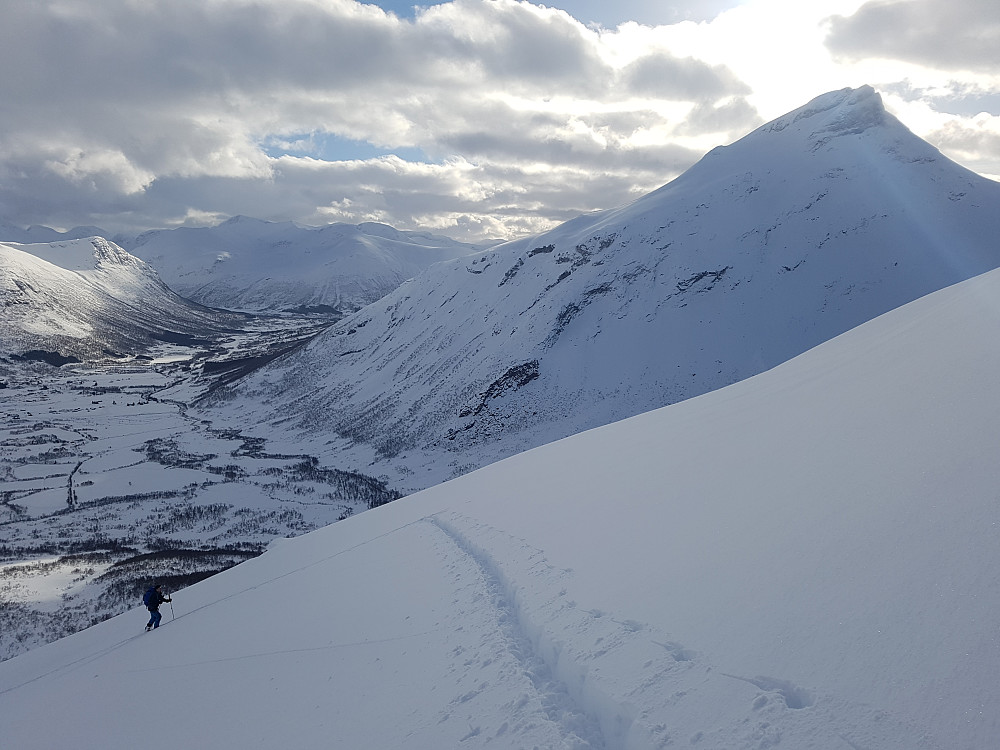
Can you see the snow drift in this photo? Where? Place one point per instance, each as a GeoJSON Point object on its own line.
{"type": "Point", "coordinates": [807, 558]}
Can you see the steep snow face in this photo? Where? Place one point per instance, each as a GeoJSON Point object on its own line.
{"type": "Point", "coordinates": [806, 559]}
{"type": "Point", "coordinates": [805, 228]}
{"type": "Point", "coordinates": [250, 264]}
{"type": "Point", "coordinates": [89, 299]}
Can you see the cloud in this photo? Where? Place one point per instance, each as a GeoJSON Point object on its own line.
{"type": "Point", "coordinates": [976, 143]}
{"type": "Point", "coordinates": [459, 197]}
{"type": "Point", "coordinates": [136, 115]}
{"type": "Point", "coordinates": [664, 76]}
{"type": "Point", "coordinates": [647, 12]}
{"type": "Point", "coordinates": [960, 117]}
{"type": "Point", "coordinates": [955, 35]}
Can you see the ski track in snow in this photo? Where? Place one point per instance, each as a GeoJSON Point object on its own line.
{"type": "Point", "coordinates": [613, 683]}
{"type": "Point", "coordinates": [523, 665]}
{"type": "Point", "coordinates": [578, 726]}
{"type": "Point", "coordinates": [570, 689]}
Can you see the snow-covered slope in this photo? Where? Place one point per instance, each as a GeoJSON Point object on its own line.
{"type": "Point", "coordinates": [257, 265]}
{"type": "Point", "coordinates": [807, 227]}
{"type": "Point", "coordinates": [806, 559]}
{"type": "Point", "coordinates": [89, 299]}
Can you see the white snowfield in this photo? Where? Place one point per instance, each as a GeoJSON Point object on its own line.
{"type": "Point", "coordinates": [805, 559]}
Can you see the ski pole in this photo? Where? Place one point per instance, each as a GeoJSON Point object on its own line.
{"type": "Point", "coordinates": [172, 607]}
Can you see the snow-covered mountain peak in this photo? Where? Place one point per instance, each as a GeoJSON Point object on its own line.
{"type": "Point", "coordinates": [842, 135]}
{"type": "Point", "coordinates": [241, 219]}
{"type": "Point", "coordinates": [89, 299]}
{"type": "Point", "coordinates": [251, 264]}
{"type": "Point", "coordinates": [797, 232]}
{"type": "Point", "coordinates": [100, 262]}
{"type": "Point", "coordinates": [844, 111]}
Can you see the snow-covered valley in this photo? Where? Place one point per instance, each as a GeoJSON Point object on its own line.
{"type": "Point", "coordinates": [807, 558]}
{"type": "Point", "coordinates": [106, 480]}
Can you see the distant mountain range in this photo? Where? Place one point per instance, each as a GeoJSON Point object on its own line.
{"type": "Point", "coordinates": [248, 264]}
{"type": "Point", "coordinates": [805, 228]}
{"type": "Point", "coordinates": [88, 299]}
{"type": "Point", "coordinates": [38, 234]}
{"type": "Point", "coordinates": [254, 265]}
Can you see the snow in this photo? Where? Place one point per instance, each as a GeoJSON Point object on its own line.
{"type": "Point", "coordinates": [124, 486]}
{"type": "Point", "coordinates": [249, 264]}
{"type": "Point", "coordinates": [43, 581]}
{"type": "Point", "coordinates": [72, 255]}
{"type": "Point", "coordinates": [803, 229]}
{"type": "Point", "coordinates": [90, 299]}
{"type": "Point", "coordinates": [805, 559]}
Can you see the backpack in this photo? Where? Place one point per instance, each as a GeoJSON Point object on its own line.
{"type": "Point", "coordinates": [147, 598]}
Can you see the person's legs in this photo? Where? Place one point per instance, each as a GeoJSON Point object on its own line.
{"type": "Point", "coordinates": [156, 616]}
{"type": "Point", "coordinates": [152, 619]}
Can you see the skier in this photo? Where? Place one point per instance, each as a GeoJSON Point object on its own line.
{"type": "Point", "coordinates": [153, 598]}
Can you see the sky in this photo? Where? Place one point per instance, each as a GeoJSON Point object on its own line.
{"type": "Point", "coordinates": [471, 118]}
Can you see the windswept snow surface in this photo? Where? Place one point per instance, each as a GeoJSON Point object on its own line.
{"type": "Point", "coordinates": [804, 229]}
{"type": "Point", "coordinates": [805, 559]}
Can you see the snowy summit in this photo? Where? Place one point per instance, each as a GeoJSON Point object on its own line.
{"type": "Point", "coordinates": [804, 229]}
{"type": "Point", "coordinates": [89, 299]}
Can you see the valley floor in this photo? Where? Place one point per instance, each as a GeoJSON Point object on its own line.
{"type": "Point", "coordinates": [106, 482]}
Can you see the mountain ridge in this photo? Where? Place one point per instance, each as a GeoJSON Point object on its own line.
{"type": "Point", "coordinates": [90, 300]}
{"type": "Point", "coordinates": [763, 249]}
{"type": "Point", "coordinates": [255, 265]}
